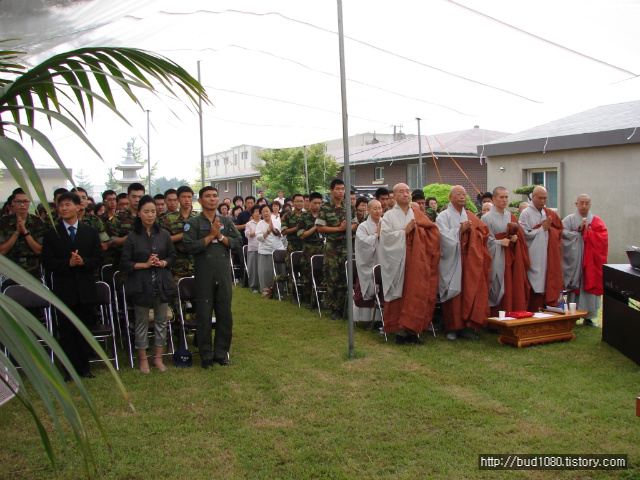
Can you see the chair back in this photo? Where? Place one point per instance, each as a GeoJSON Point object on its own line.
{"type": "Point", "coordinates": [317, 262]}
{"type": "Point", "coordinates": [106, 273]}
{"type": "Point", "coordinates": [353, 269]}
{"type": "Point", "coordinates": [26, 297]}
{"type": "Point", "coordinates": [103, 293]}
{"type": "Point", "coordinates": [377, 276]}
{"type": "Point", "coordinates": [187, 288]}
{"type": "Point", "coordinates": [279, 256]}
{"type": "Point", "coordinates": [245, 252]}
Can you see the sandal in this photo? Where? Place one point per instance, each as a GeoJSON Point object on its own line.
{"type": "Point", "coordinates": [144, 370]}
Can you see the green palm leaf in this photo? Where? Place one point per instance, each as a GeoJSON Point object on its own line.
{"type": "Point", "coordinates": [43, 93]}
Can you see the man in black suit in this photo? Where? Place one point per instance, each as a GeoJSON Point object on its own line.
{"type": "Point", "coordinates": [71, 252]}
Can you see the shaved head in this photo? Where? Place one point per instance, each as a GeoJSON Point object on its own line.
{"type": "Point", "coordinates": [399, 186]}
{"type": "Point", "coordinates": [539, 197]}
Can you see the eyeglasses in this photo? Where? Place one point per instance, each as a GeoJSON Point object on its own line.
{"type": "Point", "coordinates": [584, 203]}
{"type": "Point", "coordinates": [22, 202]}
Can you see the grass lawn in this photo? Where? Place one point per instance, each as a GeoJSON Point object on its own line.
{"type": "Point", "coordinates": [292, 405]}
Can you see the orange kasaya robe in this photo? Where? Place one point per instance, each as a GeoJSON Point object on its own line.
{"type": "Point", "coordinates": [553, 283]}
{"type": "Point", "coordinates": [471, 307]}
{"type": "Point", "coordinates": [413, 311]}
{"type": "Point", "coordinates": [516, 283]}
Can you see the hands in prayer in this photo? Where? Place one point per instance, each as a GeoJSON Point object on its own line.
{"type": "Point", "coordinates": [464, 226]}
{"type": "Point", "coordinates": [75, 260]}
{"type": "Point", "coordinates": [20, 226]}
{"type": "Point", "coordinates": [506, 241]}
{"type": "Point", "coordinates": [410, 226]}
{"type": "Point", "coordinates": [546, 224]}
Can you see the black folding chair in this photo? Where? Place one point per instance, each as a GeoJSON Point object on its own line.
{"type": "Point", "coordinates": [105, 329]}
{"type": "Point", "coordinates": [245, 252]}
{"type": "Point", "coordinates": [278, 257]}
{"type": "Point", "coordinates": [317, 263]}
{"type": "Point", "coordinates": [129, 327]}
{"type": "Point", "coordinates": [296, 273]}
{"type": "Point", "coordinates": [377, 278]}
{"type": "Point", "coordinates": [32, 301]}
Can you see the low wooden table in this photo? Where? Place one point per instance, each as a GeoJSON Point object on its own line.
{"type": "Point", "coordinates": [529, 331]}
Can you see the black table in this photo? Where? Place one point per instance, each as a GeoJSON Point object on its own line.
{"type": "Point", "coordinates": [620, 320]}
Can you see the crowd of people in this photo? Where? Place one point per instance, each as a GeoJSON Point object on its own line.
{"type": "Point", "coordinates": [474, 265]}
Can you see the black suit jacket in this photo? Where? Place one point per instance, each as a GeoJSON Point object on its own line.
{"type": "Point", "coordinates": [72, 285]}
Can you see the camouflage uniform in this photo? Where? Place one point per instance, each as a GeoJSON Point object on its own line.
{"type": "Point", "coordinates": [21, 252]}
{"type": "Point", "coordinates": [174, 224]}
{"type": "Point", "coordinates": [95, 222]}
{"type": "Point", "coordinates": [432, 214]}
{"type": "Point", "coordinates": [294, 244]}
{"type": "Point", "coordinates": [335, 253]}
{"type": "Point", "coordinates": [312, 245]}
{"type": "Point", "coordinates": [120, 225]}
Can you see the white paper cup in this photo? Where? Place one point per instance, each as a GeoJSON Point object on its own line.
{"type": "Point", "coordinates": [502, 314]}
{"type": "Point", "coordinates": [572, 308]}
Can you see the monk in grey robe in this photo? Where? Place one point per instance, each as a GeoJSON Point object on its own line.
{"type": "Point", "coordinates": [366, 251]}
{"type": "Point", "coordinates": [585, 244]}
{"type": "Point", "coordinates": [543, 230]}
{"type": "Point", "coordinates": [409, 256]}
{"type": "Point", "coordinates": [465, 267]}
{"type": "Point", "coordinates": [509, 287]}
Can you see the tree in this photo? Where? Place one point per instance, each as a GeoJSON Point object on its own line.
{"type": "Point", "coordinates": [162, 184]}
{"type": "Point", "coordinates": [111, 183]}
{"type": "Point", "coordinates": [50, 91]}
{"type": "Point", "coordinates": [441, 193]}
{"type": "Point", "coordinates": [283, 169]}
{"type": "Point", "coordinates": [196, 185]}
{"type": "Point", "coordinates": [84, 181]}
{"type": "Point", "coordinates": [526, 190]}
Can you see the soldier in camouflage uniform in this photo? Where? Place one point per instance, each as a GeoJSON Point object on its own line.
{"type": "Point", "coordinates": [21, 235]}
{"type": "Point", "coordinates": [110, 203]}
{"type": "Point", "coordinates": [122, 224]}
{"type": "Point", "coordinates": [89, 218]}
{"type": "Point", "coordinates": [174, 222]}
{"type": "Point", "coordinates": [332, 223]}
{"type": "Point", "coordinates": [312, 243]}
{"type": "Point", "coordinates": [289, 228]}
{"type": "Point", "coordinates": [171, 204]}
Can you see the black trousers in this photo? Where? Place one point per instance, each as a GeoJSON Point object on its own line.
{"type": "Point", "coordinates": [71, 340]}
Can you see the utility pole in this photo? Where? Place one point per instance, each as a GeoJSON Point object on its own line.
{"type": "Point", "coordinates": [201, 134]}
{"type": "Point", "coordinates": [148, 153]}
{"type": "Point", "coordinates": [420, 182]}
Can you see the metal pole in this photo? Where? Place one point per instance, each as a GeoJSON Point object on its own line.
{"type": "Point", "coordinates": [306, 169]}
{"type": "Point", "coordinates": [420, 183]}
{"type": "Point", "coordinates": [347, 179]}
{"type": "Point", "coordinates": [201, 134]}
{"type": "Point", "coordinates": [148, 154]}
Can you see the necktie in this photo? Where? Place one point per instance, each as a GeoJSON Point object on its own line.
{"type": "Point", "coordinates": [72, 233]}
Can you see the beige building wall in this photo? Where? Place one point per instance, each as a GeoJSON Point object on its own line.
{"type": "Point", "coordinates": [608, 174]}
{"type": "Point", "coordinates": [52, 179]}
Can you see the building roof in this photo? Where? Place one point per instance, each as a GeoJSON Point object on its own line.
{"type": "Point", "coordinates": [460, 143]}
{"type": "Point", "coordinates": [601, 126]}
{"type": "Point", "coordinates": [234, 174]}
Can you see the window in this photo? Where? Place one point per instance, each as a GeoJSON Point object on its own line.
{"type": "Point", "coordinates": [352, 175]}
{"type": "Point", "coordinates": [217, 186]}
{"type": "Point", "coordinates": [216, 162]}
{"type": "Point", "coordinates": [239, 188]}
{"type": "Point", "coordinates": [208, 164]}
{"type": "Point", "coordinates": [235, 158]}
{"type": "Point", "coordinates": [412, 176]}
{"type": "Point", "coordinates": [245, 155]}
{"type": "Point", "coordinates": [378, 173]}
{"type": "Point", "coordinates": [226, 186]}
{"type": "Point", "coordinates": [548, 178]}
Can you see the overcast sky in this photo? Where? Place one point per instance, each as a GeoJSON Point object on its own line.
{"type": "Point", "coordinates": [271, 68]}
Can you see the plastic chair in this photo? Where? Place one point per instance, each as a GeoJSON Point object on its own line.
{"type": "Point", "coordinates": [107, 275]}
{"type": "Point", "coordinates": [296, 273]}
{"type": "Point", "coordinates": [317, 263]}
{"type": "Point", "coordinates": [105, 330]}
{"type": "Point", "coordinates": [8, 385]}
{"type": "Point", "coordinates": [32, 301]}
{"type": "Point", "coordinates": [278, 257]}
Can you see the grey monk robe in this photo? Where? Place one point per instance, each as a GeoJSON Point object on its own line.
{"type": "Point", "coordinates": [366, 251]}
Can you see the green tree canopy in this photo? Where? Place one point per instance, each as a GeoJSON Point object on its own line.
{"type": "Point", "coordinates": [284, 170]}
{"type": "Point", "coordinates": [441, 193]}
{"type": "Point", "coordinates": [84, 181]}
{"type": "Point", "coordinates": [162, 184]}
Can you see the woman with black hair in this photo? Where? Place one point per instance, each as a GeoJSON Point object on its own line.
{"type": "Point", "coordinates": [147, 256]}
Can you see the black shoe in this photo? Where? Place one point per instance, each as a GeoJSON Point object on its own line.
{"type": "Point", "coordinates": [469, 334]}
{"type": "Point", "coordinates": [67, 377]}
{"type": "Point", "coordinates": [589, 323]}
{"type": "Point", "coordinates": [413, 338]}
{"type": "Point", "coordinates": [336, 315]}
{"type": "Point", "coordinates": [87, 375]}
{"type": "Point", "coordinates": [223, 362]}
{"type": "Point", "coordinates": [207, 364]}
{"type": "Point", "coordinates": [400, 339]}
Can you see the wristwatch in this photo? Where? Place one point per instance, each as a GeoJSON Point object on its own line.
{"type": "Point", "coordinates": [220, 238]}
